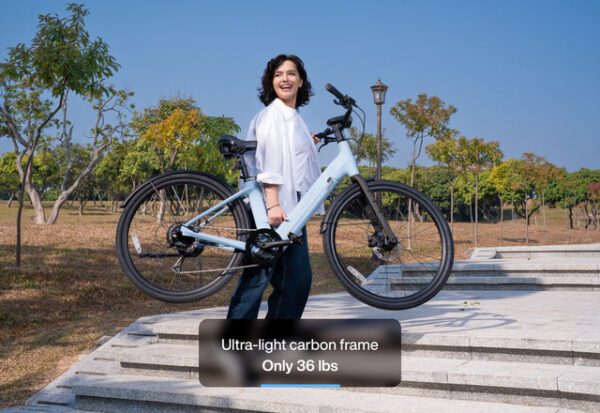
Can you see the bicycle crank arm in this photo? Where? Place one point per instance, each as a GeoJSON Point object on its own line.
{"type": "Point", "coordinates": [282, 243]}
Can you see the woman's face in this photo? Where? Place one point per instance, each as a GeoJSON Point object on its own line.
{"type": "Point", "coordinates": [286, 82]}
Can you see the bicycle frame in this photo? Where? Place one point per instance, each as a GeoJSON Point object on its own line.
{"type": "Point", "coordinates": [343, 165]}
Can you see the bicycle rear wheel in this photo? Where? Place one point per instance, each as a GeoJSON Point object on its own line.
{"type": "Point", "coordinates": [389, 277]}
{"type": "Point", "coordinates": [158, 259]}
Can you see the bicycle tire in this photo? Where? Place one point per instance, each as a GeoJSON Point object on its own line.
{"type": "Point", "coordinates": [411, 273]}
{"type": "Point", "coordinates": [144, 237]}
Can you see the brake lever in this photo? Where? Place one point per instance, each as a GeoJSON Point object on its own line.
{"type": "Point", "coordinates": [323, 145]}
{"type": "Point", "coordinates": [347, 102]}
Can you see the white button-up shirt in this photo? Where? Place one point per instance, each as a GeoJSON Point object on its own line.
{"type": "Point", "coordinates": [285, 154]}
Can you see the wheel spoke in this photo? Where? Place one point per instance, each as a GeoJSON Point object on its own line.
{"type": "Point", "coordinates": [389, 270]}
{"type": "Point", "coordinates": [178, 268]}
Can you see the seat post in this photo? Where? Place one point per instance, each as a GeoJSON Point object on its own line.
{"type": "Point", "coordinates": [242, 166]}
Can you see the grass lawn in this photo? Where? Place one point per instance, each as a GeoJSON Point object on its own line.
{"type": "Point", "coordinates": [70, 291]}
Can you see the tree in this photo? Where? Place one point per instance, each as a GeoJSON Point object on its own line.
{"type": "Point", "coordinates": [542, 173]}
{"type": "Point", "coordinates": [505, 178]}
{"type": "Point", "coordinates": [426, 117]}
{"type": "Point", "coordinates": [180, 136]}
{"type": "Point", "coordinates": [579, 188]}
{"type": "Point", "coordinates": [445, 152]}
{"type": "Point", "coordinates": [35, 82]}
{"type": "Point", "coordinates": [114, 177]}
{"type": "Point", "coordinates": [9, 179]}
{"type": "Point", "coordinates": [520, 181]}
{"type": "Point", "coordinates": [479, 156]}
{"type": "Point", "coordinates": [485, 194]}
{"type": "Point", "coordinates": [365, 148]}
{"type": "Point", "coordinates": [594, 191]}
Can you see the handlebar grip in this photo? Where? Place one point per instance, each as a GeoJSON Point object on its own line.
{"type": "Point", "coordinates": [331, 89]}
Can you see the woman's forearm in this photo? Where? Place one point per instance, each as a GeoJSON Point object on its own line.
{"type": "Point", "coordinates": [271, 195]}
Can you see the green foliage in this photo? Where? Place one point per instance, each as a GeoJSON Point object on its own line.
{"type": "Point", "coordinates": [465, 187]}
{"type": "Point", "coordinates": [445, 152]}
{"type": "Point", "coordinates": [509, 181]}
{"type": "Point", "coordinates": [365, 149]}
{"type": "Point", "coordinates": [427, 116]}
{"type": "Point", "coordinates": [35, 83]}
{"type": "Point", "coordinates": [475, 155]}
{"type": "Point", "coordinates": [9, 178]}
{"type": "Point", "coordinates": [61, 57]}
{"type": "Point", "coordinates": [576, 186]}
{"type": "Point", "coordinates": [125, 166]}
{"type": "Point", "coordinates": [177, 135]}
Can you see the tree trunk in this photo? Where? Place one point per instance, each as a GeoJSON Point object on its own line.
{"type": "Point", "coordinates": [62, 198]}
{"type": "Point", "coordinates": [476, 209]}
{"type": "Point", "coordinates": [410, 206]}
{"type": "Point", "coordinates": [10, 200]}
{"type": "Point", "coordinates": [81, 205]}
{"type": "Point", "coordinates": [36, 203]}
{"type": "Point", "coordinates": [471, 210]}
{"type": "Point", "coordinates": [501, 219]}
{"type": "Point", "coordinates": [588, 219]}
{"type": "Point", "coordinates": [526, 223]}
{"type": "Point", "coordinates": [452, 207]}
{"type": "Point", "coordinates": [543, 210]}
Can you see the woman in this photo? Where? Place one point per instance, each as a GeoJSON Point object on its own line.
{"type": "Point", "coordinates": [285, 163]}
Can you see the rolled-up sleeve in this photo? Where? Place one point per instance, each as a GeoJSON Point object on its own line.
{"type": "Point", "coordinates": [269, 150]}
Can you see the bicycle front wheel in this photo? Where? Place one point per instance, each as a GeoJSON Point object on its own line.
{"type": "Point", "coordinates": [158, 259]}
{"type": "Point", "coordinates": [391, 277]}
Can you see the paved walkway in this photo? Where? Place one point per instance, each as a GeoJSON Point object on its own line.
{"type": "Point", "coordinates": [543, 315]}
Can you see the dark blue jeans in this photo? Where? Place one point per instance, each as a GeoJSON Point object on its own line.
{"type": "Point", "coordinates": [290, 277]}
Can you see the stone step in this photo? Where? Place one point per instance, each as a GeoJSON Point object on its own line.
{"type": "Point", "coordinates": [536, 383]}
{"type": "Point", "coordinates": [542, 251]}
{"type": "Point", "coordinates": [181, 361]}
{"type": "Point", "coordinates": [496, 282]}
{"type": "Point", "coordinates": [49, 408]}
{"type": "Point", "coordinates": [536, 350]}
{"type": "Point", "coordinates": [505, 267]}
{"type": "Point", "coordinates": [129, 393]}
{"type": "Point", "coordinates": [501, 274]}
{"type": "Point", "coordinates": [451, 346]}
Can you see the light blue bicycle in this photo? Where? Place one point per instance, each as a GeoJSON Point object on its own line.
{"type": "Point", "coordinates": [183, 235]}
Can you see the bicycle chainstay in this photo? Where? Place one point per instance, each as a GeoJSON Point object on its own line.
{"type": "Point", "coordinates": [227, 269]}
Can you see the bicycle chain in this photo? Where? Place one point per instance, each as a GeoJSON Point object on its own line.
{"type": "Point", "coordinates": [241, 267]}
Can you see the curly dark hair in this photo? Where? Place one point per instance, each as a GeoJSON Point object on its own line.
{"type": "Point", "coordinates": [267, 93]}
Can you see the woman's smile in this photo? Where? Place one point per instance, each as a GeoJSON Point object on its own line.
{"type": "Point", "coordinates": [286, 83]}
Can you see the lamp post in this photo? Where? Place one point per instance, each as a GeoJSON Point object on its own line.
{"type": "Point", "coordinates": [379, 90]}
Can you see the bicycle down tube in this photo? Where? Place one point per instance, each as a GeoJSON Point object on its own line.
{"type": "Point", "coordinates": [343, 165]}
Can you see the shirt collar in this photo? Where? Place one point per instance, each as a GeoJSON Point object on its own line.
{"type": "Point", "coordinates": [285, 110]}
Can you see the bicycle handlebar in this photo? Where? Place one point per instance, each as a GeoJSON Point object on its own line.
{"type": "Point", "coordinates": [331, 89]}
{"type": "Point", "coordinates": [343, 100]}
{"type": "Point", "coordinates": [338, 123]}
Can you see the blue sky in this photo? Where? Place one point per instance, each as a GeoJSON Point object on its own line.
{"type": "Point", "coordinates": [524, 73]}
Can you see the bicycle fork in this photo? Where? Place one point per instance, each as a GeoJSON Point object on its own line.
{"type": "Point", "coordinates": [390, 240]}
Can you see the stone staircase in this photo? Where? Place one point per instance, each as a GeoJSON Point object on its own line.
{"type": "Point", "coordinates": [576, 251]}
{"type": "Point", "coordinates": [153, 366]}
{"type": "Point", "coordinates": [464, 351]}
{"type": "Point", "coordinates": [537, 268]}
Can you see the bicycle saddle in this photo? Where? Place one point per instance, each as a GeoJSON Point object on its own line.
{"type": "Point", "coordinates": [231, 146]}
